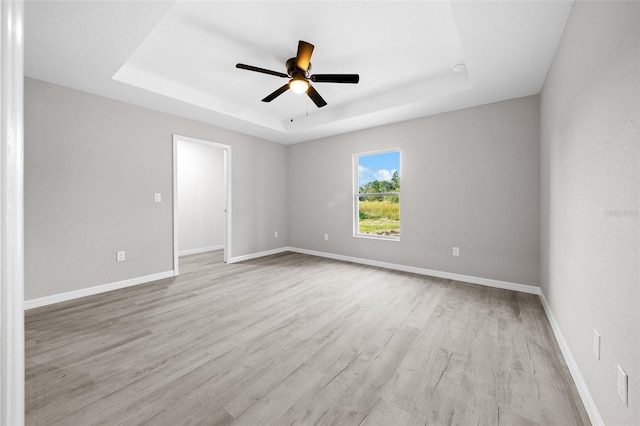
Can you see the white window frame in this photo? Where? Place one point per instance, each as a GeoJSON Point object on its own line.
{"type": "Point", "coordinates": [356, 195]}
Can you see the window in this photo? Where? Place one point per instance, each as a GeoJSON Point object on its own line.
{"type": "Point", "coordinates": [377, 194]}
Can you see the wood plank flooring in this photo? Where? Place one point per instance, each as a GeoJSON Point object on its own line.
{"type": "Point", "coordinates": [295, 339]}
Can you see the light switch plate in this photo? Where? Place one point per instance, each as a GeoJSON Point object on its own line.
{"type": "Point", "coordinates": [157, 197]}
{"type": "Point", "coordinates": [622, 385]}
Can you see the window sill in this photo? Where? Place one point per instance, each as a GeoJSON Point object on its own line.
{"type": "Point", "coordinates": [376, 237]}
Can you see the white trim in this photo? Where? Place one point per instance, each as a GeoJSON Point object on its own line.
{"type": "Point", "coordinates": [583, 390]}
{"type": "Point", "coordinates": [90, 291]}
{"type": "Point", "coordinates": [522, 288]}
{"type": "Point", "coordinates": [376, 237]}
{"type": "Point", "coordinates": [259, 254]}
{"type": "Point", "coordinates": [356, 190]}
{"type": "Point", "coordinates": [11, 212]}
{"type": "Point", "coordinates": [228, 204]}
{"type": "Point", "coordinates": [200, 250]}
{"type": "Point", "coordinates": [227, 196]}
{"type": "Point", "coordinates": [176, 257]}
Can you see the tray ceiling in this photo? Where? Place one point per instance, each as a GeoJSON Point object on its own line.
{"type": "Point", "coordinates": [179, 57]}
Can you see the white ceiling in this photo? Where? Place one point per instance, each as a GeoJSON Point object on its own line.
{"type": "Point", "coordinates": [179, 57]}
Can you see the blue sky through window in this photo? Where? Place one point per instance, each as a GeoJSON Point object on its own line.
{"type": "Point", "coordinates": [378, 167]}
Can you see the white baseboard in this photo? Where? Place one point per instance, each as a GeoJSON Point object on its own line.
{"type": "Point", "coordinates": [89, 291]}
{"type": "Point", "coordinates": [257, 255]}
{"type": "Point", "coordinates": [585, 395]}
{"type": "Point", "coordinates": [200, 250]}
{"type": "Point", "coordinates": [523, 288]}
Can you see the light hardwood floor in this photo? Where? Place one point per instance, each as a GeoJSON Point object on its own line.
{"type": "Point", "coordinates": [295, 339]}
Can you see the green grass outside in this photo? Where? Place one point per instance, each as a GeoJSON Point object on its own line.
{"type": "Point", "coordinates": [379, 210]}
{"type": "Point", "coordinates": [379, 218]}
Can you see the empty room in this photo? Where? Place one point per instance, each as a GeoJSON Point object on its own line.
{"type": "Point", "coordinates": [320, 212]}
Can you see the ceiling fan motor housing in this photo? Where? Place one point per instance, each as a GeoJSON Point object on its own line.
{"type": "Point", "coordinates": [294, 71]}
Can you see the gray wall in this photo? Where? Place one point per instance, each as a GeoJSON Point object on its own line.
{"type": "Point", "coordinates": [469, 179]}
{"type": "Point", "coordinates": [590, 157]}
{"type": "Point", "coordinates": [92, 166]}
{"type": "Point", "coordinates": [200, 196]}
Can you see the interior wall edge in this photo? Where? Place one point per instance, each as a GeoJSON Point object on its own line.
{"type": "Point", "coordinates": [589, 200]}
{"type": "Point", "coordinates": [583, 390]}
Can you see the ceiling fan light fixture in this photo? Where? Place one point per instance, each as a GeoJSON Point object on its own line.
{"type": "Point", "coordinates": [298, 85]}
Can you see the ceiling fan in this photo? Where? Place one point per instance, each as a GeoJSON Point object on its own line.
{"type": "Point", "coordinates": [298, 71]}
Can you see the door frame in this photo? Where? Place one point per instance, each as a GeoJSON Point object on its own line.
{"type": "Point", "coordinates": [227, 195]}
{"type": "Point", "coordinates": [12, 364]}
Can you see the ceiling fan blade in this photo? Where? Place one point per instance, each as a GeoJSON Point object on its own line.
{"type": "Point", "coordinates": [262, 70]}
{"type": "Point", "coordinates": [315, 97]}
{"type": "Point", "coordinates": [276, 93]}
{"type": "Point", "coordinates": [303, 58]}
{"type": "Point", "coordinates": [335, 78]}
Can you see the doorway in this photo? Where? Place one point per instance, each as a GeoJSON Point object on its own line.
{"type": "Point", "coordinates": [206, 200]}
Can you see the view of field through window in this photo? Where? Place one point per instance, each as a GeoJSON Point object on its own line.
{"type": "Point", "coordinates": [379, 194]}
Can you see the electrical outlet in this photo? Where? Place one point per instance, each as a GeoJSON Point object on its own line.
{"type": "Point", "coordinates": [622, 385]}
{"type": "Point", "coordinates": [157, 197]}
{"type": "Point", "coordinates": [275, 234]}
{"type": "Point", "coordinates": [120, 256]}
{"type": "Point", "coordinates": [326, 237]}
{"type": "Point", "coordinates": [596, 344]}
{"type": "Point", "coordinates": [456, 251]}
